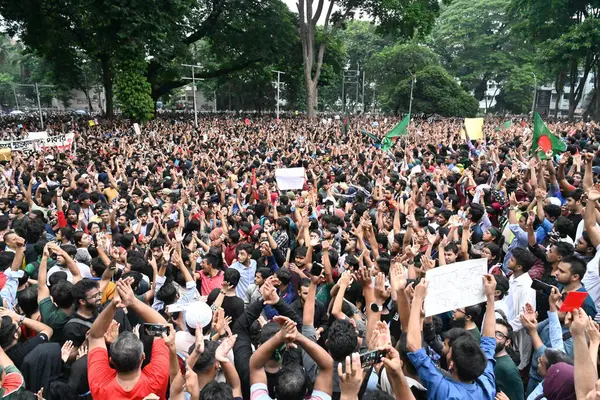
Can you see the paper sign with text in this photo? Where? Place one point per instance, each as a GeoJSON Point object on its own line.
{"type": "Point", "coordinates": [454, 286]}
{"type": "Point", "coordinates": [289, 178]}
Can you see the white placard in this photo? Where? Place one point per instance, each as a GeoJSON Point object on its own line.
{"type": "Point", "coordinates": [289, 178]}
{"type": "Point", "coordinates": [37, 135]}
{"type": "Point", "coordinates": [136, 128]}
{"type": "Point", "coordinates": [454, 286]}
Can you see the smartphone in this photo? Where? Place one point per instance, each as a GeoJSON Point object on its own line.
{"type": "Point", "coordinates": [371, 358]}
{"type": "Point", "coordinates": [541, 287]}
{"type": "Point", "coordinates": [155, 330]}
{"type": "Point", "coordinates": [316, 269]}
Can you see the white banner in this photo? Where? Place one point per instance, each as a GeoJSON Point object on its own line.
{"type": "Point", "coordinates": [454, 286]}
{"type": "Point", "coordinates": [289, 178]}
{"type": "Point", "coordinates": [62, 141]}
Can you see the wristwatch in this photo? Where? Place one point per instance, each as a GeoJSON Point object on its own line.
{"type": "Point", "coordinates": [376, 307]}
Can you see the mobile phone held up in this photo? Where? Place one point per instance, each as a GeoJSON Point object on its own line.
{"type": "Point", "coordinates": [371, 358]}
{"type": "Point", "coordinates": [316, 269]}
{"type": "Point", "coordinates": [541, 287]}
{"type": "Point", "coordinates": [156, 330]}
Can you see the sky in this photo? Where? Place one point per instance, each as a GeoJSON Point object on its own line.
{"type": "Point", "coordinates": [292, 6]}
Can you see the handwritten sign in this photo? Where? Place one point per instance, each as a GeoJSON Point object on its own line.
{"type": "Point", "coordinates": [62, 141]}
{"type": "Point", "coordinates": [289, 178]}
{"type": "Point", "coordinates": [136, 128]}
{"type": "Point", "coordinates": [454, 286]}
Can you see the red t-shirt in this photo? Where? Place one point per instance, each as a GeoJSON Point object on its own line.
{"type": "Point", "coordinates": [154, 378]}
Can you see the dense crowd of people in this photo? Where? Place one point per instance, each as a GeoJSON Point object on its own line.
{"type": "Point", "coordinates": [169, 265]}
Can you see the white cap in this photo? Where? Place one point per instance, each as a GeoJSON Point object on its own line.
{"type": "Point", "coordinates": [198, 313]}
{"type": "Point", "coordinates": [555, 201]}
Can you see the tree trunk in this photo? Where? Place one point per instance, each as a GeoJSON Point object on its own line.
{"type": "Point", "coordinates": [107, 81]}
{"type": "Point", "coordinates": [311, 99]}
{"type": "Point", "coordinates": [577, 93]}
{"type": "Point", "coordinates": [596, 114]}
{"type": "Point", "coordinates": [559, 85]}
{"type": "Point", "coordinates": [89, 99]}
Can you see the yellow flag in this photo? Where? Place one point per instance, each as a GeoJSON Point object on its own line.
{"type": "Point", "coordinates": [474, 128]}
{"type": "Point", "coordinates": [92, 122]}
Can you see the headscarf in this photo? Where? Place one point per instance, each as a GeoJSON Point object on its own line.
{"type": "Point", "coordinates": [559, 383]}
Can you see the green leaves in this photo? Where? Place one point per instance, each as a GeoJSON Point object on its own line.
{"type": "Point", "coordinates": [133, 90]}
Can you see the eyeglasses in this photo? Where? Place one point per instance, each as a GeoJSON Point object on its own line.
{"type": "Point", "coordinates": [500, 335]}
{"type": "Point", "coordinates": [95, 296]}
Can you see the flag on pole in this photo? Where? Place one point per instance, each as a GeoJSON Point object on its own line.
{"type": "Point", "coordinates": [346, 123]}
{"type": "Point", "coordinates": [399, 130]}
{"type": "Point", "coordinates": [544, 140]}
{"type": "Point", "coordinates": [369, 134]}
{"type": "Point", "coordinates": [504, 126]}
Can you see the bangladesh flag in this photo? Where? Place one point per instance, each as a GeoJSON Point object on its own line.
{"type": "Point", "coordinates": [505, 125]}
{"type": "Point", "coordinates": [399, 130]}
{"type": "Point", "coordinates": [369, 134]}
{"type": "Point", "coordinates": [544, 140]}
{"type": "Point", "coordinates": [346, 123]}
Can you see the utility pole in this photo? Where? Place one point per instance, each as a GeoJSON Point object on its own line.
{"type": "Point", "coordinates": [351, 77]}
{"type": "Point", "coordinates": [37, 92]}
{"type": "Point", "coordinates": [412, 86]}
{"type": "Point", "coordinates": [278, 86]}
{"type": "Point", "coordinates": [193, 78]}
{"type": "Point", "coordinates": [12, 85]}
{"type": "Point", "coordinates": [357, 84]}
{"type": "Point", "coordinates": [363, 92]}
{"type": "Point", "coordinates": [534, 93]}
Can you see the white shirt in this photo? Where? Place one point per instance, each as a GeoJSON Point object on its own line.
{"type": "Point", "coordinates": [519, 294]}
{"type": "Point", "coordinates": [58, 268]}
{"type": "Point", "coordinates": [591, 280]}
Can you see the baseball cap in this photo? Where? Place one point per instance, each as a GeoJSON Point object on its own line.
{"type": "Point", "coordinates": [198, 313]}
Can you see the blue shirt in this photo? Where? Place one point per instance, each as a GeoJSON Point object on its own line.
{"type": "Point", "coordinates": [443, 388]}
{"type": "Point", "coordinates": [246, 277]}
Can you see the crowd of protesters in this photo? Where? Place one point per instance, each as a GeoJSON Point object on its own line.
{"type": "Point", "coordinates": [169, 265]}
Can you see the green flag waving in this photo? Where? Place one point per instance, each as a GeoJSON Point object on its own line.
{"type": "Point", "coordinates": [504, 126]}
{"type": "Point", "coordinates": [369, 134]}
{"type": "Point", "coordinates": [544, 140]}
{"type": "Point", "coordinates": [399, 130]}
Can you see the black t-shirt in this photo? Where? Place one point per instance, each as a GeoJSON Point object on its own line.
{"type": "Point", "coordinates": [18, 352]}
{"type": "Point", "coordinates": [233, 305]}
{"type": "Point", "coordinates": [575, 219]}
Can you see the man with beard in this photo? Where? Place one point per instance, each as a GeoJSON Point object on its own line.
{"type": "Point", "coordinates": [86, 296]}
{"type": "Point", "coordinates": [507, 375]}
{"type": "Point", "coordinates": [465, 318]}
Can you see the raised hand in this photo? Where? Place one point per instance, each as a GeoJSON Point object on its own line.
{"type": "Point", "coordinates": [66, 350]}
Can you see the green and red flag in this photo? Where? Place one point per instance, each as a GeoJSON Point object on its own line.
{"type": "Point", "coordinates": [544, 140]}
{"type": "Point", "coordinates": [399, 130]}
{"type": "Point", "coordinates": [346, 123]}
{"type": "Point", "coordinates": [504, 126]}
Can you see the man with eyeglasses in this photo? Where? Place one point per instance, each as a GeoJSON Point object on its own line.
{"type": "Point", "coordinates": [87, 296]}
{"type": "Point", "coordinates": [506, 372]}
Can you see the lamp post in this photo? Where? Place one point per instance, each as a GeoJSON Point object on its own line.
{"type": "Point", "coordinates": [278, 85]}
{"type": "Point", "coordinates": [534, 93]}
{"type": "Point", "coordinates": [193, 78]}
{"type": "Point", "coordinates": [412, 86]}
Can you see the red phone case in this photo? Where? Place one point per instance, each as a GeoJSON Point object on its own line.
{"type": "Point", "coordinates": [574, 300]}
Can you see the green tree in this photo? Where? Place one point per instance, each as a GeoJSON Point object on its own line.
{"type": "Point", "coordinates": [133, 90]}
{"type": "Point", "coordinates": [394, 64]}
{"type": "Point", "coordinates": [567, 33]}
{"type": "Point", "coordinates": [403, 18]}
{"type": "Point", "coordinates": [476, 43]}
{"type": "Point", "coordinates": [435, 92]}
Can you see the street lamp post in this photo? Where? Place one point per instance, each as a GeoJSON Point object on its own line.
{"type": "Point", "coordinates": [193, 78]}
{"type": "Point", "coordinates": [412, 86]}
{"type": "Point", "coordinates": [278, 84]}
{"type": "Point", "coordinates": [534, 93]}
